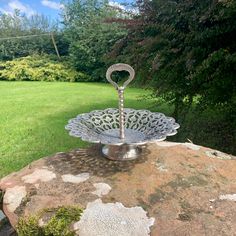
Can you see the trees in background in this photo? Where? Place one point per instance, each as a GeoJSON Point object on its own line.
{"type": "Point", "coordinates": [89, 34]}
{"type": "Point", "coordinates": [185, 50]}
{"type": "Point", "coordinates": [19, 25]}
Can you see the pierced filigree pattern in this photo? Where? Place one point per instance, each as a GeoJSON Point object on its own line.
{"type": "Point", "coordinates": [141, 126]}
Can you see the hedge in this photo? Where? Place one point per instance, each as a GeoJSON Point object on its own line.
{"type": "Point", "coordinates": [40, 68]}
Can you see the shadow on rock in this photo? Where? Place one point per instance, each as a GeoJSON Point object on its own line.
{"type": "Point", "coordinates": [91, 160]}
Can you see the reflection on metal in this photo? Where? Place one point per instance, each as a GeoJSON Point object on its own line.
{"type": "Point", "coordinates": [122, 130]}
{"type": "Point", "coordinates": [122, 152]}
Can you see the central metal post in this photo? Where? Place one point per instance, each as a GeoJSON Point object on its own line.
{"type": "Point", "coordinates": [120, 89]}
{"type": "Point", "coordinates": [121, 112]}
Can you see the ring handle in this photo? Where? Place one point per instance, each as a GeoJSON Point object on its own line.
{"type": "Point", "coordinates": [120, 67]}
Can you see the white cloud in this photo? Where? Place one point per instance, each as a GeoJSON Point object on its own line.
{"type": "Point", "coordinates": [134, 10]}
{"type": "Point", "coordinates": [116, 5]}
{"type": "Point", "coordinates": [17, 5]}
{"type": "Point", "coordinates": [52, 4]}
{"type": "Point", "coordinates": [127, 9]}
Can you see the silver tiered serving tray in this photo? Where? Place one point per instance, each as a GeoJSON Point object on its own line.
{"type": "Point", "coordinates": [122, 131]}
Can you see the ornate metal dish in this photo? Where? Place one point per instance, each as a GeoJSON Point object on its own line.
{"type": "Point", "coordinates": [122, 130]}
{"type": "Point", "coordinates": [141, 126]}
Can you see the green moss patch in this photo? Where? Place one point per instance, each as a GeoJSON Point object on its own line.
{"type": "Point", "coordinates": [187, 182]}
{"type": "Point", "coordinates": [50, 222]}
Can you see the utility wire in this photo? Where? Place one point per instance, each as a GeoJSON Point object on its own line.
{"type": "Point", "coordinates": [36, 35]}
{"type": "Point", "coordinates": [25, 36]}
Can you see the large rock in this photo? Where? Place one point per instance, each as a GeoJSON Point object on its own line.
{"type": "Point", "coordinates": [172, 189]}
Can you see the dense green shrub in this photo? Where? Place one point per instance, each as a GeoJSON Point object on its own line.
{"type": "Point", "coordinates": [57, 225]}
{"type": "Point", "coordinates": [90, 36]}
{"type": "Point", "coordinates": [183, 50]}
{"type": "Point", "coordinates": [40, 68]}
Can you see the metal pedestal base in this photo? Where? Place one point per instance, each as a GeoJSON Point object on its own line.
{"type": "Point", "coordinates": [122, 152]}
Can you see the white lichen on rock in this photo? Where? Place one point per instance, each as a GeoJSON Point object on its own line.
{"type": "Point", "coordinates": [218, 154]}
{"type": "Point", "coordinates": [172, 144]}
{"type": "Point", "coordinates": [191, 146]}
{"type": "Point", "coordinates": [41, 223]}
{"type": "Point", "coordinates": [166, 144]}
{"type": "Point", "coordinates": [13, 197]}
{"type": "Point", "coordinates": [101, 189]}
{"type": "Point", "coordinates": [231, 197]}
{"type": "Point", "coordinates": [42, 175]}
{"type": "Point", "coordinates": [75, 179]}
{"type": "Point", "coordinates": [161, 167]}
{"type": "Point", "coordinates": [113, 219]}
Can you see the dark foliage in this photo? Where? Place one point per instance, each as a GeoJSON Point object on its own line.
{"type": "Point", "coordinates": [185, 51]}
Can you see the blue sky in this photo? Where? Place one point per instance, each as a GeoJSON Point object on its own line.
{"type": "Point", "coordinates": [30, 7]}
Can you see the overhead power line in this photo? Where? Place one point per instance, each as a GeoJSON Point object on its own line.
{"type": "Point", "coordinates": [24, 36]}
{"type": "Point", "coordinates": [36, 35]}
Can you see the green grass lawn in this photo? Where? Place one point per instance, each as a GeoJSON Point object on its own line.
{"type": "Point", "coordinates": [33, 116]}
